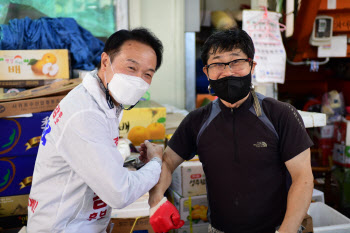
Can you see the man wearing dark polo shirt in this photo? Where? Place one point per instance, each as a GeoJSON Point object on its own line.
{"type": "Point", "coordinates": [248, 145]}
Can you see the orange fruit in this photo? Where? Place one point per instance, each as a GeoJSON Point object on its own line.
{"type": "Point", "coordinates": [138, 135]}
{"type": "Point", "coordinates": [49, 58]}
{"type": "Point", "coordinates": [156, 131]}
{"type": "Point", "coordinates": [37, 68]}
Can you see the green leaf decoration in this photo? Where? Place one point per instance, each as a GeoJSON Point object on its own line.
{"type": "Point", "coordinates": [32, 61]}
{"type": "Point", "coordinates": [161, 120]}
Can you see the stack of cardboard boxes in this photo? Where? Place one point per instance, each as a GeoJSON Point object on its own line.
{"type": "Point", "coordinates": [23, 116]}
{"type": "Point", "coordinates": [188, 193]}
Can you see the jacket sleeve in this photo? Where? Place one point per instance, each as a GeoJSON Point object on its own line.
{"type": "Point", "coordinates": [88, 147]}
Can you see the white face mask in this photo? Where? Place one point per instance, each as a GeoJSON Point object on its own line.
{"type": "Point", "coordinates": [126, 89]}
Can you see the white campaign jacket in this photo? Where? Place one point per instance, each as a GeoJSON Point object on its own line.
{"type": "Point", "coordinates": [79, 173]}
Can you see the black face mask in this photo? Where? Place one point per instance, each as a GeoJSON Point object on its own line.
{"type": "Point", "coordinates": [231, 88]}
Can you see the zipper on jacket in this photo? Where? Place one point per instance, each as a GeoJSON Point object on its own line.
{"type": "Point", "coordinates": [235, 155]}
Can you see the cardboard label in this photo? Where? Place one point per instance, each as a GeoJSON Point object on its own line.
{"type": "Point", "coordinates": [34, 64]}
{"type": "Point", "coordinates": [35, 105]}
{"type": "Point", "coordinates": [13, 205]}
{"type": "Point", "coordinates": [188, 179]}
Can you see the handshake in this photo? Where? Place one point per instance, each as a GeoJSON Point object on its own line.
{"type": "Point", "coordinates": [164, 217]}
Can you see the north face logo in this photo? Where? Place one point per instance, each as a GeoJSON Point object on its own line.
{"type": "Point", "coordinates": [260, 144]}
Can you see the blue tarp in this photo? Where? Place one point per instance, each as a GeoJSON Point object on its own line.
{"type": "Point", "coordinates": [53, 33]}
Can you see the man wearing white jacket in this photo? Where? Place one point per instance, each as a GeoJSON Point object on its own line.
{"type": "Point", "coordinates": [79, 174]}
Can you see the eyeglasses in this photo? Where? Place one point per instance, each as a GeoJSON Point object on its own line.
{"type": "Point", "coordinates": [237, 65]}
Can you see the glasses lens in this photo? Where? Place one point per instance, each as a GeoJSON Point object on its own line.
{"type": "Point", "coordinates": [240, 67]}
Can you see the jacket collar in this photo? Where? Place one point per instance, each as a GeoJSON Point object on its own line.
{"type": "Point", "coordinates": [96, 89]}
{"type": "Point", "coordinates": [245, 105]}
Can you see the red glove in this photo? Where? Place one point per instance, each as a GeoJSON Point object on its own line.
{"type": "Point", "coordinates": [165, 217]}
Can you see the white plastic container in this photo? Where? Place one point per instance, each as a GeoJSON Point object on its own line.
{"type": "Point", "coordinates": [317, 195]}
{"type": "Point", "coordinates": [325, 219]}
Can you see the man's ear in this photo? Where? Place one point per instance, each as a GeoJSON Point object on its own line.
{"type": "Point", "coordinates": [253, 67]}
{"type": "Point", "coordinates": [205, 70]}
{"type": "Point", "coordinates": [104, 61]}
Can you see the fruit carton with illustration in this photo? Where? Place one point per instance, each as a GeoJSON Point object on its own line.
{"type": "Point", "coordinates": [188, 179]}
{"type": "Point", "coordinates": [21, 136]}
{"type": "Point", "coordinates": [192, 209]}
{"type": "Point", "coordinates": [16, 175]}
{"type": "Point", "coordinates": [146, 121]}
{"type": "Point", "coordinates": [34, 64]}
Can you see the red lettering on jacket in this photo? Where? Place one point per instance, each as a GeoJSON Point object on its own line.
{"type": "Point", "coordinates": [32, 204]}
{"type": "Point", "coordinates": [116, 141]}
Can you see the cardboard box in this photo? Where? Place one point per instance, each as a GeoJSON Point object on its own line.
{"type": "Point", "coordinates": [16, 175]}
{"type": "Point", "coordinates": [21, 136]}
{"type": "Point", "coordinates": [145, 121]}
{"type": "Point", "coordinates": [56, 88]}
{"type": "Point", "coordinates": [36, 105]}
{"type": "Point", "coordinates": [192, 209]}
{"type": "Point", "coordinates": [34, 64]}
{"type": "Point", "coordinates": [24, 83]}
{"type": "Point", "coordinates": [124, 225]}
{"type": "Point", "coordinates": [14, 205]}
{"type": "Point", "coordinates": [341, 155]}
{"type": "Point", "coordinates": [188, 179]}
{"type": "Point", "coordinates": [307, 223]}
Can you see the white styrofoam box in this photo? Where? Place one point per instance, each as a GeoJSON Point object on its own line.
{"type": "Point", "coordinates": [188, 179]}
{"type": "Point", "coordinates": [317, 195]}
{"type": "Point", "coordinates": [313, 119]}
{"type": "Point", "coordinates": [139, 208]}
{"type": "Point", "coordinates": [199, 228]}
{"type": "Point", "coordinates": [197, 204]}
{"type": "Point", "coordinates": [325, 219]}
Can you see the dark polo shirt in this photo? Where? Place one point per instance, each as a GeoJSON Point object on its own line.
{"type": "Point", "coordinates": [243, 161]}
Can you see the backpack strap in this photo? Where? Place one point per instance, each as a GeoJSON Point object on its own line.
{"type": "Point", "coordinates": [257, 110]}
{"type": "Point", "coordinates": [214, 111]}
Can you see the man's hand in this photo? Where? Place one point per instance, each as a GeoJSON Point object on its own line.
{"type": "Point", "coordinates": [150, 150]}
{"type": "Point", "coordinates": [165, 217]}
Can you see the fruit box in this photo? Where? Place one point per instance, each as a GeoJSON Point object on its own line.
{"type": "Point", "coordinates": [188, 179]}
{"type": "Point", "coordinates": [145, 121]}
{"type": "Point", "coordinates": [16, 175]}
{"type": "Point", "coordinates": [14, 205]}
{"type": "Point", "coordinates": [34, 64]}
{"type": "Point", "coordinates": [21, 135]}
{"type": "Point", "coordinates": [192, 209]}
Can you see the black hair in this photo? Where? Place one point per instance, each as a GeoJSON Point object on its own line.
{"type": "Point", "coordinates": [227, 40]}
{"type": "Point", "coordinates": [142, 35]}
